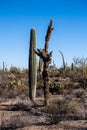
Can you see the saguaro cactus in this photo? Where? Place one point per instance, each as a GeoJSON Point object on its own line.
{"type": "Point", "coordinates": [40, 67]}
{"type": "Point", "coordinates": [46, 57]}
{"type": "Point", "coordinates": [72, 66]}
{"type": "Point", "coordinates": [32, 66]}
{"type": "Point", "coordinates": [3, 66]}
{"type": "Point", "coordinates": [64, 65]}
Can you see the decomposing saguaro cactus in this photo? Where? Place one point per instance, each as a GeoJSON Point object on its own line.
{"type": "Point", "coordinates": [46, 57]}
{"type": "Point", "coordinates": [32, 66]}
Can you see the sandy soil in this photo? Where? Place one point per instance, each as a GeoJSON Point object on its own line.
{"type": "Point", "coordinates": [21, 114]}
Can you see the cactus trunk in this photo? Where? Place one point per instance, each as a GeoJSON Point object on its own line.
{"type": "Point", "coordinates": [32, 66]}
{"type": "Point", "coordinates": [46, 57]}
{"type": "Point", "coordinates": [40, 67]}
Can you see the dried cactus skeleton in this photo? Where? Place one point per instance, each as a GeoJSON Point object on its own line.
{"type": "Point", "coordinates": [46, 57]}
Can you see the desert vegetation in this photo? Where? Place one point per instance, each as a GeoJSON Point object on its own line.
{"type": "Point", "coordinates": [58, 102]}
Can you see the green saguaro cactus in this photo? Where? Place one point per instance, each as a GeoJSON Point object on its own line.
{"type": "Point", "coordinates": [32, 66]}
{"type": "Point", "coordinates": [40, 67]}
{"type": "Point", "coordinates": [3, 66]}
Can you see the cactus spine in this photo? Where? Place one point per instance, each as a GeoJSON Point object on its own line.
{"type": "Point", "coordinates": [32, 66]}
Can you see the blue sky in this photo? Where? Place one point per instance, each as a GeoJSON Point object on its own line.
{"type": "Point", "coordinates": [17, 17]}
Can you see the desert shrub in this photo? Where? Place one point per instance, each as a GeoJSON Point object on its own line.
{"type": "Point", "coordinates": [15, 70]}
{"type": "Point", "coordinates": [20, 106]}
{"type": "Point", "coordinates": [79, 93]}
{"type": "Point", "coordinates": [60, 87]}
{"type": "Point", "coordinates": [80, 61]}
{"type": "Point", "coordinates": [20, 89]}
{"type": "Point", "coordinates": [25, 71]}
{"type": "Point", "coordinates": [54, 73]}
{"type": "Point", "coordinates": [57, 111]}
{"type": "Point", "coordinates": [65, 109]}
{"type": "Point", "coordinates": [11, 94]}
{"type": "Point", "coordinates": [56, 88]}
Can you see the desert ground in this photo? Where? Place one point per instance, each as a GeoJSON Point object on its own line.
{"type": "Point", "coordinates": [67, 108]}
